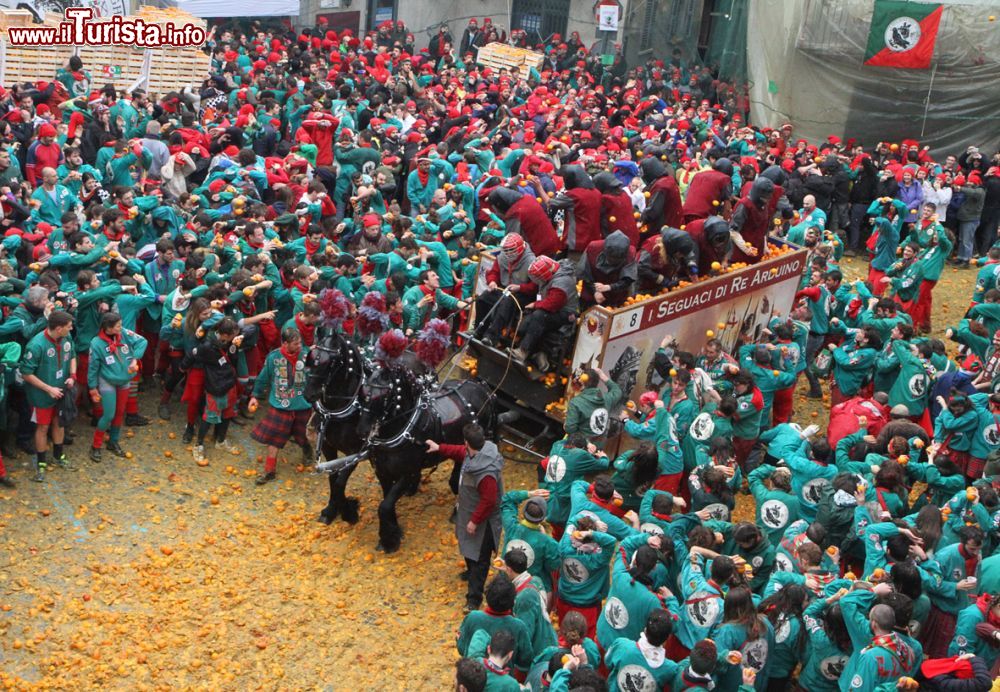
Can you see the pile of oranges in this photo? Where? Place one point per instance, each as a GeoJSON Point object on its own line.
{"type": "Point", "coordinates": [470, 365]}
{"type": "Point", "coordinates": [558, 405]}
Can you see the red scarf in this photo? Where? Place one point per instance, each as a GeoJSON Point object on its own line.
{"type": "Point", "coordinates": [886, 641]}
{"type": "Point", "coordinates": [496, 613]}
{"type": "Point", "coordinates": [985, 605]}
{"type": "Point", "coordinates": [608, 505]}
{"type": "Point", "coordinates": [971, 561]}
{"type": "Point", "coordinates": [292, 359]}
{"type": "Point", "coordinates": [55, 342]}
{"type": "Point", "coordinates": [111, 235]}
{"type": "Point", "coordinates": [424, 176]}
{"type": "Point", "coordinates": [113, 343]}
{"type": "Point", "coordinates": [304, 289]}
{"type": "Point", "coordinates": [497, 670]}
{"type": "Point", "coordinates": [312, 248]}
{"type": "Point", "coordinates": [308, 331]}
{"type": "Point", "coordinates": [961, 668]}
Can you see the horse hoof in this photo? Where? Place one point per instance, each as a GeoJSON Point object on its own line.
{"type": "Point", "coordinates": [387, 548]}
{"type": "Point", "coordinates": [350, 513]}
{"type": "Point", "coordinates": [326, 517]}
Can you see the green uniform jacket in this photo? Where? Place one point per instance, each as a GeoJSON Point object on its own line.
{"type": "Point", "coordinates": [966, 640]}
{"type": "Point", "coordinates": [589, 411]}
{"type": "Point", "coordinates": [88, 314]}
{"type": "Point", "coordinates": [913, 384]}
{"type": "Point", "coordinates": [583, 578]}
{"type": "Point", "coordinates": [566, 465]}
{"type": "Point", "coordinates": [823, 660]}
{"type": "Point", "coordinates": [852, 366]}
{"type": "Point", "coordinates": [757, 654]}
{"type": "Point", "coordinates": [415, 315]}
{"type": "Point", "coordinates": [540, 548]}
{"type": "Point", "coordinates": [629, 602]}
{"type": "Point", "coordinates": [112, 366]}
{"type": "Point", "coordinates": [287, 383]}
{"type": "Point", "coordinates": [48, 360]}
{"type": "Point", "coordinates": [481, 620]}
{"type": "Point", "coordinates": [528, 609]}
{"type": "Point", "coordinates": [629, 669]}
{"type": "Point", "coordinates": [775, 509]}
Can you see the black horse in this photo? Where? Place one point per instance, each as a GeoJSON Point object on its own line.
{"type": "Point", "coordinates": [336, 370]}
{"type": "Point", "coordinates": [401, 410]}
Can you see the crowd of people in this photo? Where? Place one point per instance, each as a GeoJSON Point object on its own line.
{"type": "Point", "coordinates": [183, 243]}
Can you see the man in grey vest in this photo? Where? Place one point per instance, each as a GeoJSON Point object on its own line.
{"type": "Point", "coordinates": [477, 520]}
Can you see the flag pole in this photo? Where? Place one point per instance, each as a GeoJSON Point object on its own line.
{"type": "Point", "coordinates": [927, 101]}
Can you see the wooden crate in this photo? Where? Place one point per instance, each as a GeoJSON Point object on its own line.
{"type": "Point", "coordinates": [15, 18]}
{"type": "Point", "coordinates": [501, 56]}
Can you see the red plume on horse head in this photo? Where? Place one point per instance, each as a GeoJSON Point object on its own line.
{"type": "Point", "coordinates": [334, 307]}
{"type": "Point", "coordinates": [432, 342]}
{"type": "Point", "coordinates": [390, 347]}
{"type": "Point", "coordinates": [372, 315]}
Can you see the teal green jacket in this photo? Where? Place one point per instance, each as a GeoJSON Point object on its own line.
{"type": "Point", "coordinates": [629, 602]}
{"type": "Point", "coordinates": [775, 509]}
{"type": "Point", "coordinates": [49, 360]}
{"type": "Point", "coordinates": [823, 660]}
{"type": "Point", "coordinates": [564, 467]}
{"type": "Point", "coordinates": [760, 651]}
{"type": "Point", "coordinates": [852, 366]}
{"type": "Point", "coordinates": [111, 365]}
{"type": "Point", "coordinates": [540, 548]}
{"type": "Point", "coordinates": [629, 669]}
{"type": "Point", "coordinates": [583, 578]}
{"type": "Point", "coordinates": [285, 382]}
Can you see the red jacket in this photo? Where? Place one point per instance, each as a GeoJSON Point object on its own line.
{"type": "Point", "coordinates": [706, 187]}
{"type": "Point", "coordinates": [670, 210]}
{"type": "Point", "coordinates": [754, 230]}
{"type": "Point", "coordinates": [531, 221]}
{"type": "Point", "coordinates": [320, 135]}
{"type": "Point", "coordinates": [583, 219]}
{"type": "Point", "coordinates": [619, 207]}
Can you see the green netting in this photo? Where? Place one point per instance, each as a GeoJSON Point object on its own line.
{"type": "Point", "coordinates": [727, 45]}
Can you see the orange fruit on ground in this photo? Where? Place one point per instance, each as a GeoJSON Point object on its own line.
{"type": "Point", "coordinates": [167, 453]}
{"type": "Point", "coordinates": [166, 550]}
{"type": "Point", "coordinates": [214, 499]}
{"type": "Point", "coordinates": [203, 462]}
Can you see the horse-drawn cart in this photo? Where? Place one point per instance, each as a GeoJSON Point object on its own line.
{"type": "Point", "coordinates": [729, 306]}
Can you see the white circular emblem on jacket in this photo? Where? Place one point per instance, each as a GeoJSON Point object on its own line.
{"type": "Point", "coordinates": [784, 629]}
{"type": "Point", "coordinates": [651, 528]}
{"type": "Point", "coordinates": [702, 427]}
{"type": "Point", "coordinates": [703, 608]}
{"type": "Point", "coordinates": [755, 654]}
{"type": "Point", "coordinates": [574, 571]}
{"type": "Point", "coordinates": [616, 613]}
{"type": "Point", "coordinates": [635, 678]}
{"type": "Point", "coordinates": [599, 421]}
{"type": "Point", "coordinates": [719, 511]}
{"type": "Point", "coordinates": [832, 667]}
{"type": "Point", "coordinates": [556, 468]}
{"type": "Point", "coordinates": [523, 546]}
{"type": "Point", "coordinates": [782, 563]}
{"type": "Point", "coordinates": [774, 514]}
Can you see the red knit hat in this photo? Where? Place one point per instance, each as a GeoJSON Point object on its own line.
{"type": "Point", "coordinates": [46, 130]}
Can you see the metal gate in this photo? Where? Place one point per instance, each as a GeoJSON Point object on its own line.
{"type": "Point", "coordinates": [540, 18]}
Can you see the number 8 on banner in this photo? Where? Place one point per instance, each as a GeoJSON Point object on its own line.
{"type": "Point", "coordinates": [626, 322]}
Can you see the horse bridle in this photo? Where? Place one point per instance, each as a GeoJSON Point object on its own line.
{"type": "Point", "coordinates": [353, 403]}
